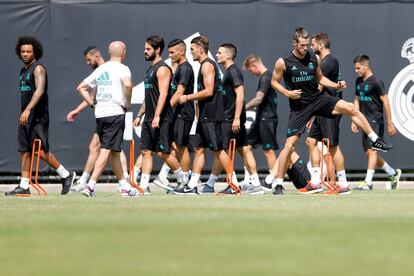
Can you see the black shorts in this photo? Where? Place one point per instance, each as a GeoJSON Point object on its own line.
{"type": "Point", "coordinates": [227, 133]}
{"type": "Point", "coordinates": [299, 174]}
{"type": "Point", "coordinates": [156, 139]}
{"type": "Point", "coordinates": [194, 142]}
{"type": "Point", "coordinates": [27, 133]}
{"type": "Point", "coordinates": [209, 136]}
{"type": "Point", "coordinates": [181, 132]}
{"type": "Point", "coordinates": [378, 127]}
{"type": "Point", "coordinates": [322, 106]}
{"type": "Point", "coordinates": [326, 128]}
{"type": "Point", "coordinates": [263, 133]}
{"type": "Point", "coordinates": [111, 132]}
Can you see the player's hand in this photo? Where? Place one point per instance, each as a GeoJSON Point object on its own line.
{"type": "Point", "coordinates": [24, 118]}
{"type": "Point", "coordinates": [137, 121]}
{"type": "Point", "coordinates": [354, 127]}
{"type": "Point", "coordinates": [295, 94]}
{"type": "Point", "coordinates": [71, 116]}
{"type": "Point", "coordinates": [391, 129]}
{"type": "Point", "coordinates": [156, 122]}
{"type": "Point", "coordinates": [236, 126]}
{"type": "Point", "coordinates": [341, 85]}
{"type": "Point", "coordinates": [182, 99]}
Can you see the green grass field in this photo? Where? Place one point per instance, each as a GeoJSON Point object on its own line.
{"type": "Point", "coordinates": [366, 233]}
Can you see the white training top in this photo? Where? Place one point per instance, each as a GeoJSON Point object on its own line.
{"type": "Point", "coordinates": [110, 95]}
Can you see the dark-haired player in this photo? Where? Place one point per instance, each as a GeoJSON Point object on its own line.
{"type": "Point", "coordinates": [371, 98]}
{"type": "Point", "coordinates": [156, 128]}
{"type": "Point", "coordinates": [211, 113]}
{"type": "Point", "coordinates": [182, 83]}
{"type": "Point", "coordinates": [234, 119]}
{"type": "Point", "coordinates": [34, 116]}
{"type": "Point", "coordinates": [328, 127]}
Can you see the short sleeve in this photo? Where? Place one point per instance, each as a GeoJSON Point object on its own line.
{"type": "Point", "coordinates": [236, 77]}
{"type": "Point", "coordinates": [264, 84]}
{"type": "Point", "coordinates": [381, 87]}
{"type": "Point", "coordinates": [91, 80]}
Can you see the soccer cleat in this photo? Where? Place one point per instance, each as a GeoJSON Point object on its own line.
{"type": "Point", "coordinates": [309, 189]}
{"type": "Point", "coordinates": [344, 191]}
{"type": "Point", "coordinates": [172, 187]}
{"type": "Point", "coordinates": [245, 186]}
{"type": "Point", "coordinates": [255, 190]}
{"type": "Point", "coordinates": [228, 191]}
{"type": "Point", "coordinates": [162, 183]}
{"type": "Point", "coordinates": [19, 191]}
{"type": "Point", "coordinates": [206, 189]}
{"type": "Point", "coordinates": [131, 193]}
{"type": "Point", "coordinates": [77, 187]}
{"type": "Point", "coordinates": [395, 179]}
{"type": "Point", "coordinates": [123, 193]}
{"type": "Point", "coordinates": [147, 191]}
{"type": "Point", "coordinates": [88, 192]}
{"type": "Point", "coordinates": [381, 144]}
{"type": "Point", "coordinates": [265, 186]}
{"type": "Point", "coordinates": [67, 183]}
{"type": "Point", "coordinates": [364, 186]}
{"type": "Point", "coordinates": [339, 191]}
{"type": "Point", "coordinates": [278, 190]}
{"type": "Point", "coordinates": [186, 190]}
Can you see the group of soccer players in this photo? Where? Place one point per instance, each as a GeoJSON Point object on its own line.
{"type": "Point", "coordinates": [312, 82]}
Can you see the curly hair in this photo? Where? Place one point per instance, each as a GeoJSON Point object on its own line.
{"type": "Point", "coordinates": [29, 40]}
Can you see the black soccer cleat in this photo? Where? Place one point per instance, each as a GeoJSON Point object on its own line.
{"type": "Point", "coordinates": [228, 191]}
{"type": "Point", "coordinates": [185, 190]}
{"type": "Point", "coordinates": [265, 186]}
{"type": "Point", "coordinates": [67, 183]}
{"type": "Point", "coordinates": [278, 190]}
{"type": "Point", "coordinates": [19, 191]}
{"type": "Point", "coordinates": [381, 144]}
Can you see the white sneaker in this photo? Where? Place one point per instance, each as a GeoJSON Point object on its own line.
{"type": "Point", "coordinates": [163, 183]}
{"type": "Point", "coordinates": [255, 190]}
{"type": "Point", "coordinates": [78, 187]}
{"type": "Point", "coordinates": [244, 186]}
{"type": "Point", "coordinates": [131, 193]}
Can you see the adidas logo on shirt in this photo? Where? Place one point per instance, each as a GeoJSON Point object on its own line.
{"type": "Point", "coordinates": [294, 68]}
{"type": "Point", "coordinates": [104, 79]}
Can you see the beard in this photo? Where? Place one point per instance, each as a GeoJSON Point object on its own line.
{"type": "Point", "coordinates": [149, 58]}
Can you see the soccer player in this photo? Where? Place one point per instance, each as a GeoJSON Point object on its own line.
{"type": "Point", "coordinates": [371, 98]}
{"type": "Point", "coordinates": [182, 83]}
{"type": "Point", "coordinates": [113, 97]}
{"type": "Point", "coordinates": [298, 171]}
{"type": "Point", "coordinates": [302, 75]}
{"type": "Point", "coordinates": [34, 116]}
{"type": "Point", "coordinates": [156, 128]}
{"type": "Point", "coordinates": [264, 128]}
{"type": "Point", "coordinates": [234, 119]}
{"type": "Point", "coordinates": [211, 113]}
{"type": "Point", "coordinates": [326, 127]}
{"type": "Point", "coordinates": [94, 59]}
